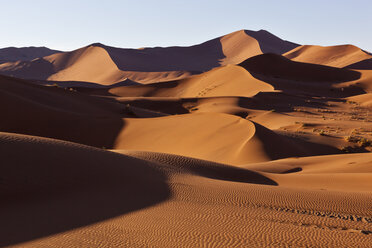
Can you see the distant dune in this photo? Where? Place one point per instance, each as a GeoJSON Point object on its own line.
{"type": "Point", "coordinates": [246, 140]}
{"type": "Point", "coordinates": [336, 56]}
{"type": "Point", "coordinates": [12, 54]}
{"type": "Point", "coordinates": [106, 65]}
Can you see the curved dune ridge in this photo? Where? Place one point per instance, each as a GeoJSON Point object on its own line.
{"type": "Point", "coordinates": [228, 80]}
{"type": "Point", "coordinates": [335, 56]}
{"type": "Point", "coordinates": [278, 66]}
{"type": "Point", "coordinates": [58, 186]}
{"type": "Point", "coordinates": [218, 137]}
{"type": "Point", "coordinates": [106, 65]}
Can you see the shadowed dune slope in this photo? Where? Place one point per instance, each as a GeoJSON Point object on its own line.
{"type": "Point", "coordinates": [335, 56]}
{"type": "Point", "coordinates": [362, 65]}
{"type": "Point", "coordinates": [106, 65]}
{"type": "Point", "coordinates": [57, 113]}
{"type": "Point", "coordinates": [270, 43]}
{"type": "Point", "coordinates": [11, 54]}
{"type": "Point", "coordinates": [280, 67]}
{"type": "Point", "coordinates": [50, 186]}
{"type": "Point", "coordinates": [228, 49]}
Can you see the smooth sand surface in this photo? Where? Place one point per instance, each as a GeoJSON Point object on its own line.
{"type": "Point", "coordinates": [112, 147]}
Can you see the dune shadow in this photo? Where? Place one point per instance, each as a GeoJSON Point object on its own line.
{"type": "Point", "coordinates": [202, 57]}
{"type": "Point", "coordinates": [208, 169]}
{"type": "Point", "coordinates": [38, 69]}
{"type": "Point", "coordinates": [57, 113]}
{"type": "Point", "coordinates": [270, 43]}
{"type": "Point", "coordinates": [279, 67]}
{"type": "Point", "coordinates": [233, 174]}
{"type": "Point", "coordinates": [279, 146]}
{"type": "Point", "coordinates": [293, 170]}
{"type": "Point", "coordinates": [361, 65]}
{"type": "Point", "coordinates": [92, 131]}
{"type": "Point", "coordinates": [48, 188]}
{"type": "Point", "coordinates": [13, 54]}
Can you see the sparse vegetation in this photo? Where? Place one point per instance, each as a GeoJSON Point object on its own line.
{"type": "Point", "coordinates": [322, 132]}
{"type": "Point", "coordinates": [363, 142]}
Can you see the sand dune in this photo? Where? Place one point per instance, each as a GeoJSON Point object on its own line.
{"type": "Point", "coordinates": [219, 137]}
{"type": "Point", "coordinates": [336, 56]}
{"type": "Point", "coordinates": [224, 81]}
{"type": "Point", "coordinates": [58, 186]}
{"type": "Point", "coordinates": [279, 67]}
{"type": "Point", "coordinates": [57, 113]}
{"type": "Point", "coordinates": [246, 140]}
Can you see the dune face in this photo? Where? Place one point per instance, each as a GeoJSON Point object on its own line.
{"type": "Point", "coordinates": [246, 140]}
{"type": "Point", "coordinates": [337, 56]}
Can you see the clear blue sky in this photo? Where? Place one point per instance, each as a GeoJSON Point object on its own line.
{"type": "Point", "coordinates": [70, 24]}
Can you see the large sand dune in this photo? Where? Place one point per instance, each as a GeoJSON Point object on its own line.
{"type": "Point", "coordinates": [268, 145]}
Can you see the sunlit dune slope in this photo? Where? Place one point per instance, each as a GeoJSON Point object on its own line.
{"type": "Point", "coordinates": [211, 136]}
{"type": "Point", "coordinates": [224, 81]}
{"type": "Point", "coordinates": [336, 56]}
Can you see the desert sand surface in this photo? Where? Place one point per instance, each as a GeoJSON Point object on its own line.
{"type": "Point", "coordinates": [246, 140]}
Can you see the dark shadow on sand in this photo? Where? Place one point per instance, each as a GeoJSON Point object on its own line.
{"type": "Point", "coordinates": [58, 113]}
{"type": "Point", "coordinates": [48, 189]}
{"type": "Point", "coordinates": [361, 65]}
{"type": "Point", "coordinates": [270, 43]}
{"type": "Point", "coordinates": [202, 57]}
